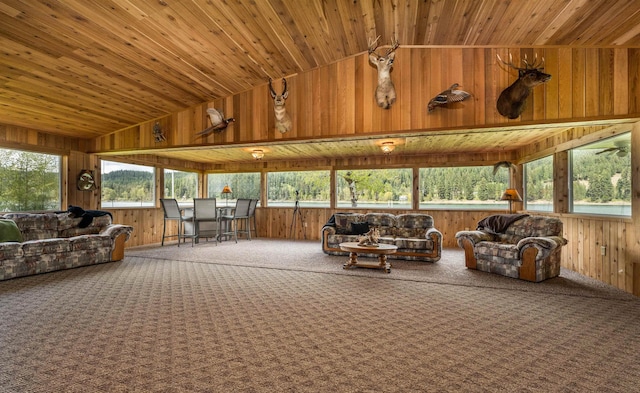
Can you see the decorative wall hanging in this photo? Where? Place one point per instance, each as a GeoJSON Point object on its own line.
{"type": "Point", "coordinates": [283, 120]}
{"type": "Point", "coordinates": [158, 134]}
{"type": "Point", "coordinates": [512, 99]}
{"type": "Point", "coordinates": [448, 96]}
{"type": "Point", "coordinates": [218, 122]}
{"type": "Point", "coordinates": [86, 181]}
{"type": "Point", "coordinates": [386, 91]}
{"type": "Point", "coordinates": [504, 164]}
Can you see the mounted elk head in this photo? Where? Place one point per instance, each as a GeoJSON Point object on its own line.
{"type": "Point", "coordinates": [512, 99]}
{"type": "Point", "coordinates": [283, 120]}
{"type": "Point", "coordinates": [385, 92]}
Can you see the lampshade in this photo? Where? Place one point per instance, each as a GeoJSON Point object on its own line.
{"type": "Point", "coordinates": [226, 190]}
{"type": "Point", "coordinates": [387, 147]}
{"type": "Point", "coordinates": [511, 194]}
{"type": "Point", "coordinates": [257, 154]}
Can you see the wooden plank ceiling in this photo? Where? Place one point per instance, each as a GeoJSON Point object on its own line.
{"type": "Point", "coordinates": [86, 69]}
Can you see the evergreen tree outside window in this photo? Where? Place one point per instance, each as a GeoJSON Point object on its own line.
{"type": "Point", "coordinates": [601, 177]}
{"type": "Point", "coordinates": [243, 185]}
{"type": "Point", "coordinates": [464, 188]}
{"type": "Point", "coordinates": [30, 181]}
{"type": "Point", "coordinates": [374, 188]}
{"type": "Point", "coordinates": [127, 185]}
{"type": "Point", "coordinates": [310, 188]}
{"type": "Point", "coordinates": [182, 186]}
{"type": "Point", "coordinates": [538, 187]}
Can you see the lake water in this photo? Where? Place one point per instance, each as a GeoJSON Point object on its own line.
{"type": "Point", "coordinates": [596, 209]}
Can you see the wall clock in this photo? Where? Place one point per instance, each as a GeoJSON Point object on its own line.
{"type": "Point", "coordinates": [86, 181]}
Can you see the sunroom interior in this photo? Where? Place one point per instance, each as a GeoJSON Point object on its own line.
{"type": "Point", "coordinates": [97, 83]}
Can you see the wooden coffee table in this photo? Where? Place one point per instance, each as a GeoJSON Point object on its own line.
{"type": "Point", "coordinates": [382, 250]}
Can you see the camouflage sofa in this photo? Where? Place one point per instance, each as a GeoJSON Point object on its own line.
{"type": "Point", "coordinates": [413, 233]}
{"type": "Point", "coordinates": [518, 246]}
{"type": "Point", "coordinates": [53, 241]}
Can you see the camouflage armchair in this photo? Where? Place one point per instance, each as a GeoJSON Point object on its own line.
{"type": "Point", "coordinates": [517, 246]}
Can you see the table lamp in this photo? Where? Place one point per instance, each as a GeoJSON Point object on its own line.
{"type": "Point", "coordinates": [226, 191]}
{"type": "Point", "coordinates": [511, 195]}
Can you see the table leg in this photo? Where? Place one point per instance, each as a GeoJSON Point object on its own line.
{"type": "Point", "coordinates": [384, 264]}
{"type": "Point", "coordinates": [353, 260]}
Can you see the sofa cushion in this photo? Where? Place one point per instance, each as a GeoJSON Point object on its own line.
{"type": "Point", "coordinates": [385, 222]}
{"type": "Point", "coordinates": [503, 253]}
{"type": "Point", "coordinates": [45, 246]}
{"type": "Point", "coordinates": [35, 226]}
{"type": "Point", "coordinates": [10, 251]}
{"type": "Point", "coordinates": [9, 231]}
{"type": "Point", "coordinates": [69, 226]}
{"type": "Point", "coordinates": [344, 220]}
{"type": "Point", "coordinates": [536, 226]}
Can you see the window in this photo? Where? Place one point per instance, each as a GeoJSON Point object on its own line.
{"type": "Point", "coordinates": [182, 186]}
{"type": "Point", "coordinates": [374, 188]}
{"type": "Point", "coordinates": [538, 184]}
{"type": "Point", "coordinates": [463, 188]}
{"type": "Point", "coordinates": [242, 185]}
{"type": "Point", "coordinates": [127, 185]}
{"type": "Point", "coordinates": [310, 188]}
{"type": "Point", "coordinates": [30, 181]}
{"type": "Point", "coordinates": [601, 177]}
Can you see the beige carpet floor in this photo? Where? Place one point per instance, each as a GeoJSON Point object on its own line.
{"type": "Point", "coordinates": [279, 316]}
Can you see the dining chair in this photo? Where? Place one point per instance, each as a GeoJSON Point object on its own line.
{"type": "Point", "coordinates": [205, 217]}
{"type": "Point", "coordinates": [252, 216]}
{"type": "Point", "coordinates": [172, 212]}
{"type": "Point", "coordinates": [240, 213]}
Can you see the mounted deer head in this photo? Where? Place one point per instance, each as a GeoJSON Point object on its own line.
{"type": "Point", "coordinates": [385, 92]}
{"type": "Point", "coordinates": [283, 120]}
{"type": "Point", "coordinates": [512, 99]}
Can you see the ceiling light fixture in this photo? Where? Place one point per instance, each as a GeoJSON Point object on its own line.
{"type": "Point", "coordinates": [387, 147]}
{"type": "Point", "coordinates": [257, 154]}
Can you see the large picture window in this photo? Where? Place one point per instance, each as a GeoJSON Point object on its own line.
{"type": "Point", "coordinates": [538, 184]}
{"type": "Point", "coordinates": [374, 188]}
{"type": "Point", "coordinates": [242, 185]}
{"type": "Point", "coordinates": [463, 188]}
{"type": "Point", "coordinates": [127, 185]}
{"type": "Point", "coordinates": [30, 181]}
{"type": "Point", "coordinates": [179, 185]}
{"type": "Point", "coordinates": [310, 188]}
{"type": "Point", "coordinates": [601, 177]}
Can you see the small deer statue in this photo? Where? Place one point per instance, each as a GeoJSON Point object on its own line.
{"type": "Point", "coordinates": [512, 99]}
{"type": "Point", "coordinates": [385, 92]}
{"type": "Point", "coordinates": [283, 120]}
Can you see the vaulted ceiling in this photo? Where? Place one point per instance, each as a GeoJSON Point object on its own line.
{"type": "Point", "coordinates": [87, 69]}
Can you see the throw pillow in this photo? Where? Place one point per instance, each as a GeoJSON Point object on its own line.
{"type": "Point", "coordinates": [9, 231]}
{"type": "Point", "coordinates": [359, 228]}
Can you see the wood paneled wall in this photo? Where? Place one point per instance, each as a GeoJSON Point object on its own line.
{"type": "Point", "coordinates": [337, 100]}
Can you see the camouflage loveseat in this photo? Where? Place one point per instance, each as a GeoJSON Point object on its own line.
{"type": "Point", "coordinates": [53, 241]}
{"type": "Point", "coordinates": [515, 245]}
{"type": "Point", "coordinates": [413, 233]}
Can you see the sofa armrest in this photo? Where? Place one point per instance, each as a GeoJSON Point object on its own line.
{"type": "Point", "coordinates": [474, 237]}
{"type": "Point", "coordinates": [434, 235]}
{"type": "Point", "coordinates": [115, 230]}
{"type": "Point", "coordinates": [330, 229]}
{"type": "Point", "coordinates": [544, 244]}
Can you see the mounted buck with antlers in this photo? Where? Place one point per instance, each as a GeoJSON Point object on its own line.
{"type": "Point", "coordinates": [512, 99]}
{"type": "Point", "coordinates": [385, 92]}
{"type": "Point", "coordinates": [283, 120]}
